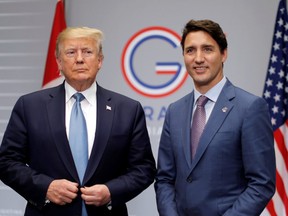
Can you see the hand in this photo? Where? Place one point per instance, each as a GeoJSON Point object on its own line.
{"type": "Point", "coordinates": [62, 191]}
{"type": "Point", "coordinates": [96, 195]}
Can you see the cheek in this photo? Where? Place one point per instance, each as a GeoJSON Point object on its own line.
{"type": "Point", "coordinates": [187, 60]}
{"type": "Point", "coordinates": [62, 63]}
{"type": "Point", "coordinates": [93, 64]}
{"type": "Point", "coordinates": [67, 65]}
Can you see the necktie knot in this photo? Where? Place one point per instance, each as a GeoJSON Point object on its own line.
{"type": "Point", "coordinates": [202, 100]}
{"type": "Point", "coordinates": [78, 97]}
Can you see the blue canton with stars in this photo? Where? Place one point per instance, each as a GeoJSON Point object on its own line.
{"type": "Point", "coordinates": [276, 84]}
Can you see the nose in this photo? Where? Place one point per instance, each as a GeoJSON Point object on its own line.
{"type": "Point", "coordinates": [79, 57]}
{"type": "Point", "coordinates": [199, 57]}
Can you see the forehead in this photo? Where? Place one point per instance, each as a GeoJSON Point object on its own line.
{"type": "Point", "coordinates": [199, 38]}
{"type": "Point", "coordinates": [78, 43]}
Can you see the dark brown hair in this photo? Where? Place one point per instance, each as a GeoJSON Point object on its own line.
{"type": "Point", "coordinates": [210, 27]}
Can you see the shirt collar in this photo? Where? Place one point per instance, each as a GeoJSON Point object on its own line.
{"type": "Point", "coordinates": [213, 93]}
{"type": "Point", "coordinates": [89, 94]}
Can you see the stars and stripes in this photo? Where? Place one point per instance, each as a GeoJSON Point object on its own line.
{"type": "Point", "coordinates": [276, 94]}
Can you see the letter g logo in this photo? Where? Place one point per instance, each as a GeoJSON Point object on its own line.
{"type": "Point", "coordinates": [166, 76]}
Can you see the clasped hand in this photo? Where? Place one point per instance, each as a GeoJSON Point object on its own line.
{"type": "Point", "coordinates": [62, 191]}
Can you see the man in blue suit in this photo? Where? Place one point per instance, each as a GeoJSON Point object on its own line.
{"type": "Point", "coordinates": [35, 156]}
{"type": "Point", "coordinates": [232, 170]}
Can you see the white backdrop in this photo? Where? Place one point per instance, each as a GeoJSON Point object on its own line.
{"type": "Point", "coordinates": [24, 34]}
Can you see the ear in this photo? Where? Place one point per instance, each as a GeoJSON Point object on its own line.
{"type": "Point", "coordinates": [224, 55]}
{"type": "Point", "coordinates": [100, 61]}
{"type": "Point", "coordinates": [59, 63]}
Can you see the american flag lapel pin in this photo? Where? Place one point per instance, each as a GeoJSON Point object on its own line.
{"type": "Point", "coordinates": [108, 108]}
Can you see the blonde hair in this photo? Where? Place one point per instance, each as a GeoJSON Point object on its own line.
{"type": "Point", "coordinates": [80, 32]}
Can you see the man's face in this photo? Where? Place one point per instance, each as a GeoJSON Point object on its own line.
{"type": "Point", "coordinates": [79, 61]}
{"type": "Point", "coordinates": [203, 60]}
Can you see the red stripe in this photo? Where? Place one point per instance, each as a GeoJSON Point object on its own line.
{"type": "Point", "coordinates": [281, 146]}
{"type": "Point", "coordinates": [271, 209]}
{"type": "Point", "coordinates": [281, 190]}
{"type": "Point", "coordinates": [165, 72]}
{"type": "Point", "coordinates": [280, 186]}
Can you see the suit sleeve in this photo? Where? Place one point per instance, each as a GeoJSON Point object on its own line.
{"type": "Point", "coordinates": [14, 161]}
{"type": "Point", "coordinates": [166, 173]}
{"type": "Point", "coordinates": [259, 161]}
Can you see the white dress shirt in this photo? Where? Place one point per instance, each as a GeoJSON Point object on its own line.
{"type": "Point", "coordinates": [89, 108]}
{"type": "Point", "coordinates": [212, 95]}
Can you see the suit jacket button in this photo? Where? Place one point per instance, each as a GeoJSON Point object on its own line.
{"type": "Point", "coordinates": [189, 179]}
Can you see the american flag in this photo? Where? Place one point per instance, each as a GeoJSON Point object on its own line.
{"type": "Point", "coordinates": [276, 94]}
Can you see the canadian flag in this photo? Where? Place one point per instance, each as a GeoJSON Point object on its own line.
{"type": "Point", "coordinates": [52, 76]}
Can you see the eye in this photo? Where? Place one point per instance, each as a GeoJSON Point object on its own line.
{"type": "Point", "coordinates": [208, 49]}
{"type": "Point", "coordinates": [87, 52]}
{"type": "Point", "coordinates": [189, 50]}
{"type": "Point", "coordinates": [70, 53]}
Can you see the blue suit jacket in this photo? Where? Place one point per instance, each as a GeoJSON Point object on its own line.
{"type": "Point", "coordinates": [233, 172]}
{"type": "Point", "coordinates": [35, 151]}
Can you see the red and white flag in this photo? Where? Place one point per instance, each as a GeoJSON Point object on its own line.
{"type": "Point", "coordinates": [276, 94]}
{"type": "Point", "coordinates": [52, 76]}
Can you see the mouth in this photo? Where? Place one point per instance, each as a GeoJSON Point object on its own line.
{"type": "Point", "coordinates": [200, 69]}
{"type": "Point", "coordinates": [79, 70]}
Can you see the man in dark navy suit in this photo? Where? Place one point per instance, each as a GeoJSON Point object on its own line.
{"type": "Point", "coordinates": [35, 155]}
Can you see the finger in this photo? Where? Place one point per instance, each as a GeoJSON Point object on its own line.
{"type": "Point", "coordinates": [62, 203]}
{"type": "Point", "coordinates": [72, 188]}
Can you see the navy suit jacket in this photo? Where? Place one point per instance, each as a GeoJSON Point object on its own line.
{"type": "Point", "coordinates": [233, 172]}
{"type": "Point", "coordinates": [35, 150]}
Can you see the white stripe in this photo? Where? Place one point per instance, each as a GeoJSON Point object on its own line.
{"type": "Point", "coordinates": [281, 169]}
{"type": "Point", "coordinates": [278, 205]}
{"type": "Point", "coordinates": [265, 213]}
{"type": "Point", "coordinates": [166, 68]}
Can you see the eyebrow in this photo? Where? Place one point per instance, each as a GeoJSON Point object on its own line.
{"type": "Point", "coordinates": [202, 46]}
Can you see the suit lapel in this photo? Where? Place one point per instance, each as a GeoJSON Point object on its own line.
{"type": "Point", "coordinates": [221, 110]}
{"type": "Point", "coordinates": [56, 117]}
{"type": "Point", "coordinates": [105, 113]}
{"type": "Point", "coordinates": [187, 109]}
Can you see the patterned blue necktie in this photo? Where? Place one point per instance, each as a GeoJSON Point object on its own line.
{"type": "Point", "coordinates": [78, 140]}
